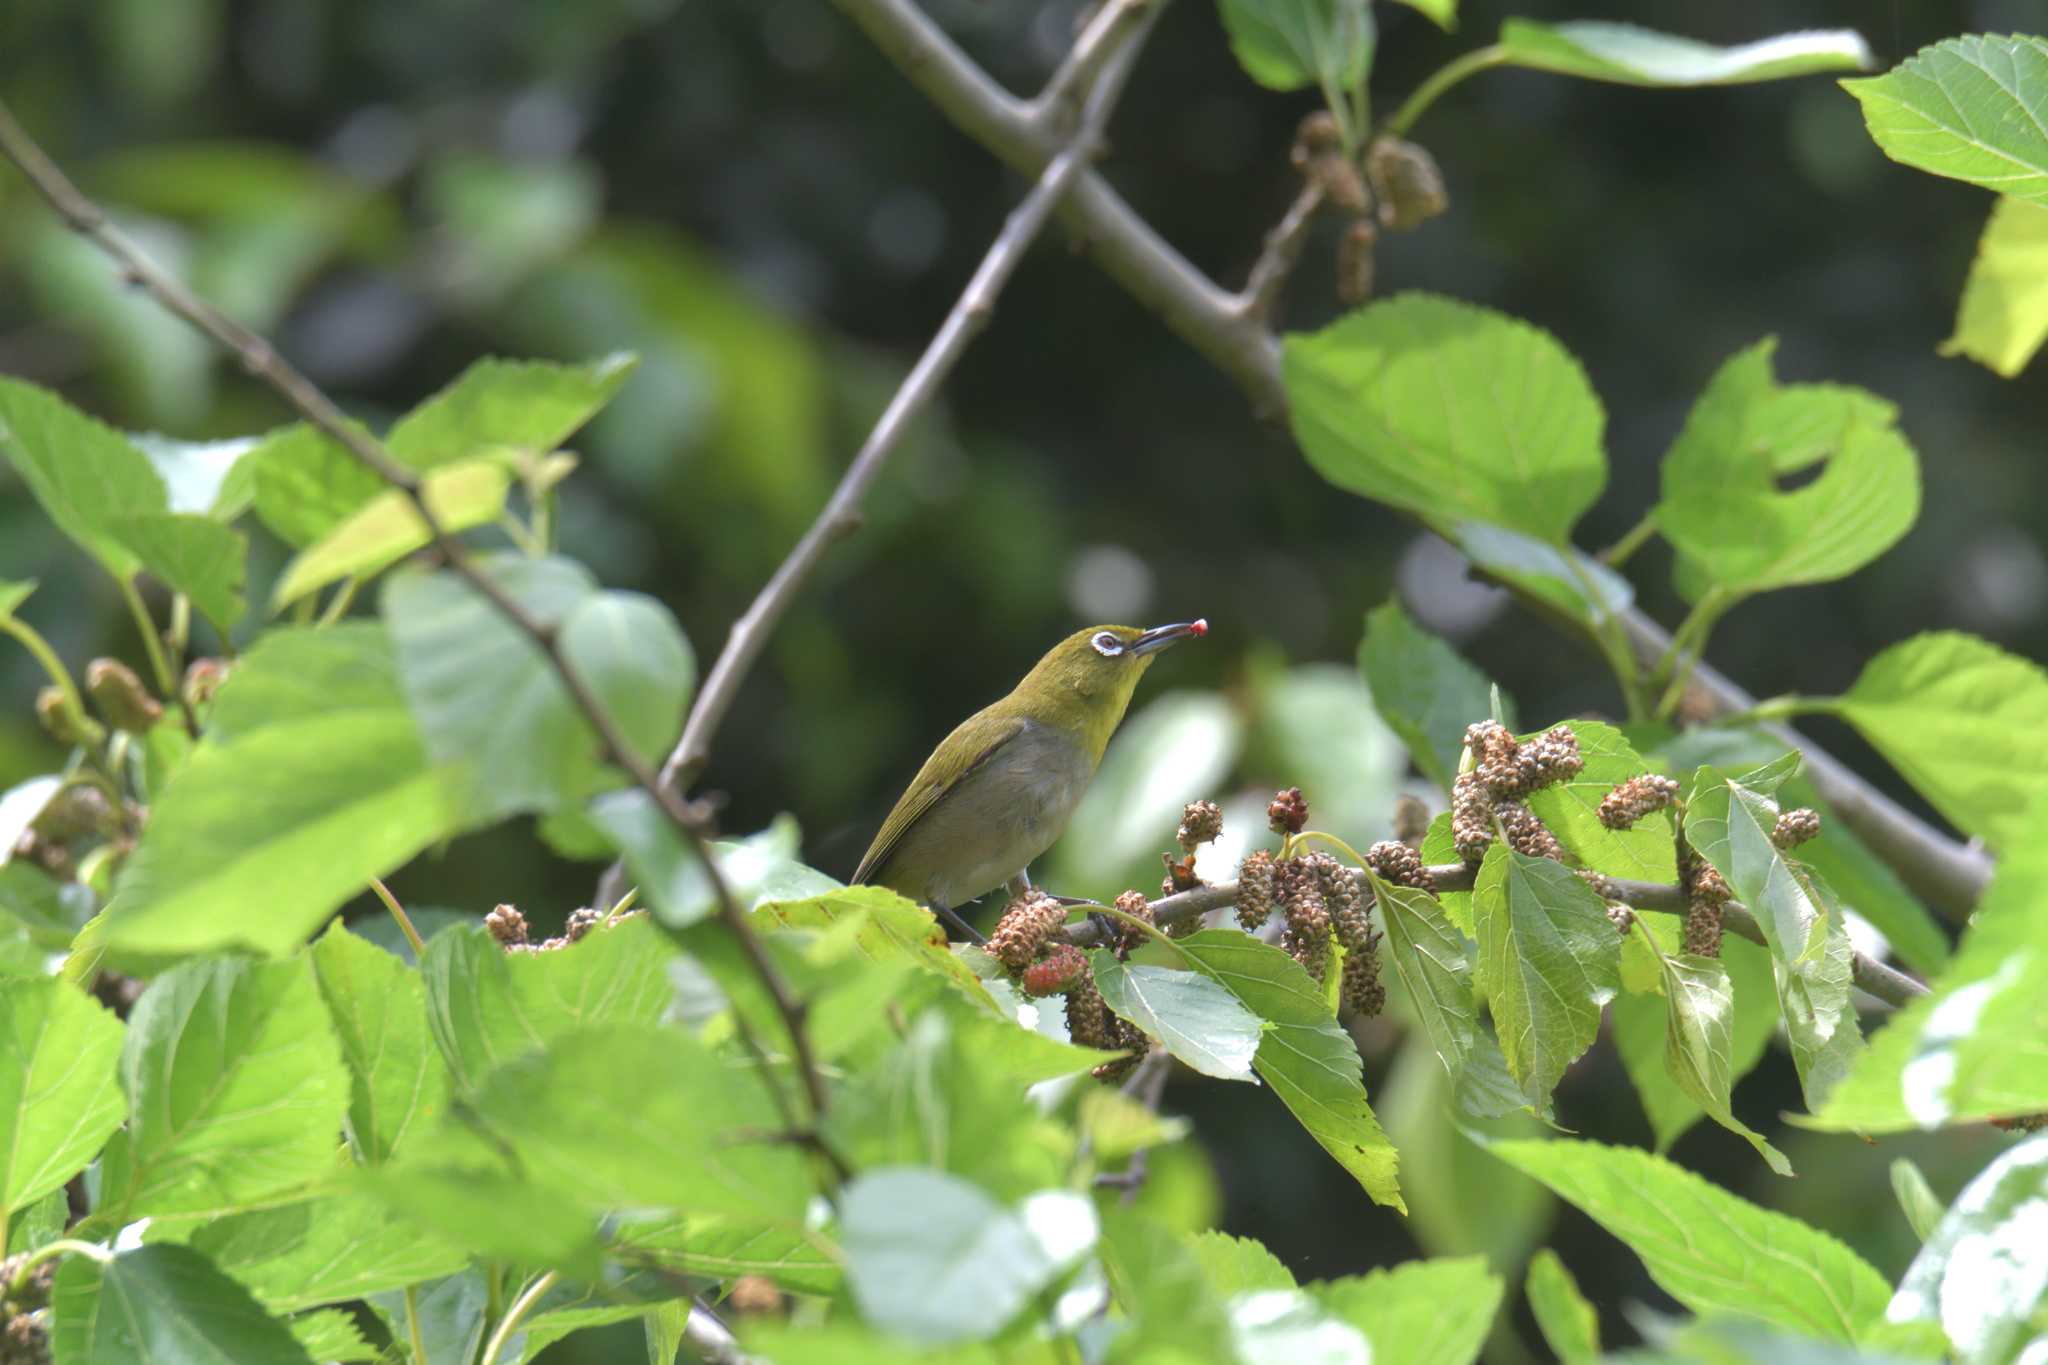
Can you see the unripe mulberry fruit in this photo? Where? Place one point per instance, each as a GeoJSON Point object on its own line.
{"type": "Point", "coordinates": [1350, 921]}
{"type": "Point", "coordinates": [1408, 182]}
{"type": "Point", "coordinates": [1288, 811]}
{"type": "Point", "coordinates": [1471, 818]}
{"type": "Point", "coordinates": [1400, 864]}
{"type": "Point", "coordinates": [53, 712]}
{"type": "Point", "coordinates": [1528, 835]}
{"type": "Point", "coordinates": [1087, 1017]}
{"type": "Point", "coordinates": [121, 697]}
{"type": "Point", "coordinates": [1602, 884]}
{"type": "Point", "coordinates": [203, 678]}
{"type": "Point", "coordinates": [75, 812]}
{"type": "Point", "coordinates": [1134, 904]}
{"type": "Point", "coordinates": [1308, 918]}
{"type": "Point", "coordinates": [1495, 758]}
{"type": "Point", "coordinates": [1621, 917]}
{"type": "Point", "coordinates": [1058, 972]}
{"type": "Point", "coordinates": [1359, 989]}
{"type": "Point", "coordinates": [1255, 886]}
{"type": "Point", "coordinates": [1355, 264]}
{"type": "Point", "coordinates": [1026, 924]}
{"type": "Point", "coordinates": [1200, 822]}
{"type": "Point", "coordinates": [506, 925]}
{"type": "Point", "coordinates": [1795, 827]}
{"type": "Point", "coordinates": [1703, 927]}
{"type": "Point", "coordinates": [582, 922]}
{"type": "Point", "coordinates": [1411, 820]}
{"type": "Point", "coordinates": [1551, 757]}
{"type": "Point", "coordinates": [1636, 798]}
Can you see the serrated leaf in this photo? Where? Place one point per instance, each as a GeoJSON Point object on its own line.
{"type": "Point", "coordinates": [1158, 1281]}
{"type": "Point", "coordinates": [235, 1086]}
{"type": "Point", "coordinates": [1451, 412]}
{"type": "Point", "coordinates": [1965, 722]}
{"type": "Point", "coordinates": [1713, 1252]}
{"type": "Point", "coordinates": [378, 1005]}
{"type": "Point", "coordinates": [1289, 44]}
{"type": "Point", "coordinates": [329, 1250]}
{"type": "Point", "coordinates": [1641, 1023]}
{"type": "Point", "coordinates": [162, 1305]}
{"type": "Point", "coordinates": [725, 1248]}
{"type": "Point", "coordinates": [487, 1007]}
{"type": "Point", "coordinates": [1571, 810]}
{"type": "Point", "coordinates": [307, 484]}
{"type": "Point", "coordinates": [1423, 688]}
{"type": "Point", "coordinates": [1200, 1022]}
{"type": "Point", "coordinates": [1574, 582]}
{"type": "Point", "coordinates": [85, 474]}
{"type": "Point", "coordinates": [1434, 1312]}
{"type": "Point", "coordinates": [332, 1334]}
{"type": "Point", "coordinates": [886, 927]}
{"type": "Point", "coordinates": [59, 1099]}
{"type": "Point", "coordinates": [1238, 1265]}
{"type": "Point", "coordinates": [1428, 954]}
{"type": "Point", "coordinates": [1570, 1327]}
{"type": "Point", "coordinates": [1722, 507]}
{"type": "Point", "coordinates": [1966, 108]}
{"type": "Point", "coordinates": [1983, 1274]}
{"type": "Point", "coordinates": [193, 554]}
{"type": "Point", "coordinates": [2003, 317]}
{"type": "Point", "coordinates": [1628, 55]}
{"type": "Point", "coordinates": [387, 528]}
{"type": "Point", "coordinates": [311, 781]}
{"type": "Point", "coordinates": [475, 681]}
{"type": "Point", "coordinates": [1549, 960]}
{"type": "Point", "coordinates": [1304, 1054]}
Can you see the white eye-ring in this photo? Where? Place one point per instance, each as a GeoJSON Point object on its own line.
{"type": "Point", "coordinates": [1107, 645]}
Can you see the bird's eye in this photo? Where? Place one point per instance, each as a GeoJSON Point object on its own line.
{"type": "Point", "coordinates": [1107, 645]}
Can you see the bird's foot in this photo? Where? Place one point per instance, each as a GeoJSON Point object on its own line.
{"type": "Point", "coordinates": [967, 931]}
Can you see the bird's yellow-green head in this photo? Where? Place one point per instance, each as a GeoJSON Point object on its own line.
{"type": "Point", "coordinates": [1085, 682]}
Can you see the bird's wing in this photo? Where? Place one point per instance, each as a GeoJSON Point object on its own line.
{"type": "Point", "coordinates": [925, 790]}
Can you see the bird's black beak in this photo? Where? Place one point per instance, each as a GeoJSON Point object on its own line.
{"type": "Point", "coordinates": [1159, 637]}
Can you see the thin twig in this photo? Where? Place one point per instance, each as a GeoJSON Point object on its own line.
{"type": "Point", "coordinates": [412, 935]}
{"type": "Point", "coordinates": [514, 1315]}
{"type": "Point", "coordinates": [1106, 39]}
{"type": "Point", "coordinates": [262, 360]}
{"type": "Point", "coordinates": [1061, 105]}
{"type": "Point", "coordinates": [1146, 1085]}
{"type": "Point", "coordinates": [1948, 874]}
{"type": "Point", "coordinates": [1262, 288]}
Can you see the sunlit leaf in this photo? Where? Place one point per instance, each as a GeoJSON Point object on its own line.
{"type": "Point", "coordinates": [85, 474]}
{"type": "Point", "coordinates": [1570, 1327]}
{"type": "Point", "coordinates": [59, 1099]}
{"type": "Point", "coordinates": [2003, 317]}
{"type": "Point", "coordinates": [193, 554]}
{"type": "Point", "coordinates": [1549, 960]}
{"type": "Point", "coordinates": [1642, 1025]}
{"type": "Point", "coordinates": [1628, 55]}
{"type": "Point", "coordinates": [329, 1250]}
{"type": "Point", "coordinates": [1965, 108]}
{"type": "Point", "coordinates": [1571, 810]}
{"type": "Point", "coordinates": [1574, 582]}
{"type": "Point", "coordinates": [1202, 1024]}
{"type": "Point", "coordinates": [1428, 953]}
{"type": "Point", "coordinates": [387, 527]}
{"type": "Point", "coordinates": [162, 1305]}
{"type": "Point", "coordinates": [1983, 1275]}
{"type": "Point", "coordinates": [397, 1080]}
{"type": "Point", "coordinates": [1288, 44]}
{"type": "Point", "coordinates": [1435, 1312]}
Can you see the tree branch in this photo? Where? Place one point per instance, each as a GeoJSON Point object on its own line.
{"type": "Point", "coordinates": [1891, 986]}
{"type": "Point", "coordinates": [1101, 55]}
{"type": "Point", "coordinates": [1268, 277]}
{"type": "Point", "coordinates": [262, 360]}
{"type": "Point", "coordinates": [1222, 327]}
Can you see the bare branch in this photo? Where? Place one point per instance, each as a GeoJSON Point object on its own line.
{"type": "Point", "coordinates": [1262, 288]}
{"type": "Point", "coordinates": [262, 360]}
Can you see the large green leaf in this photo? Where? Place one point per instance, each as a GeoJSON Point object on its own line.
{"type": "Point", "coordinates": [1965, 722]}
{"type": "Point", "coordinates": [1977, 1047]}
{"type": "Point", "coordinates": [1571, 810]}
{"type": "Point", "coordinates": [524, 404]}
{"type": "Point", "coordinates": [1983, 1275]}
{"type": "Point", "coordinates": [1549, 960]}
{"type": "Point", "coordinates": [1713, 1252]}
{"type": "Point", "coordinates": [86, 475]}
{"type": "Point", "coordinates": [1451, 412]}
{"type": "Point", "coordinates": [1159, 1282]}
{"type": "Point", "coordinates": [2003, 317]}
{"type": "Point", "coordinates": [1968, 108]}
{"type": "Point", "coordinates": [1304, 1054]}
{"type": "Point", "coordinates": [1642, 1025]}
{"type": "Point", "coordinates": [312, 781]}
{"type": "Point", "coordinates": [236, 1090]}
{"type": "Point", "coordinates": [331, 1334]}
{"type": "Point", "coordinates": [1628, 55]}
{"type": "Point", "coordinates": [162, 1305]}
{"type": "Point", "coordinates": [726, 1248]}
{"type": "Point", "coordinates": [59, 1100]}
{"type": "Point", "coordinates": [1570, 1327]}
{"type": "Point", "coordinates": [492, 708]}
{"type": "Point", "coordinates": [330, 1250]}
{"type": "Point", "coordinates": [488, 1007]}
{"type": "Point", "coordinates": [1424, 689]}
{"type": "Point", "coordinates": [1421, 1313]}
{"type": "Point", "coordinates": [388, 527]}
{"type": "Point", "coordinates": [397, 1080]}
{"type": "Point", "coordinates": [1722, 506]}
{"type": "Point", "coordinates": [307, 484]}
{"type": "Point", "coordinates": [193, 554]}
{"type": "Point", "coordinates": [1289, 44]}
{"type": "Point", "coordinates": [1200, 1022]}
{"type": "Point", "coordinates": [1428, 954]}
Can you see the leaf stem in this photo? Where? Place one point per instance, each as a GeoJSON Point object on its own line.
{"type": "Point", "coordinates": [1443, 79]}
{"type": "Point", "coordinates": [344, 597]}
{"type": "Point", "coordinates": [1333, 841]}
{"type": "Point", "coordinates": [412, 935]}
{"type": "Point", "coordinates": [1688, 643]}
{"type": "Point", "coordinates": [152, 644]}
{"type": "Point", "coordinates": [521, 1306]}
{"type": "Point", "coordinates": [53, 667]}
{"type": "Point", "coordinates": [49, 1251]}
{"type": "Point", "coordinates": [1637, 536]}
{"type": "Point", "coordinates": [412, 1324]}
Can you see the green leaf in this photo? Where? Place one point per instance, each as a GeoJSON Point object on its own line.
{"type": "Point", "coordinates": [1424, 689]}
{"type": "Point", "coordinates": [1304, 1054]}
{"type": "Point", "coordinates": [1965, 722]}
{"type": "Point", "coordinates": [1642, 1025]}
{"type": "Point", "coordinates": [724, 1248]}
{"type": "Point", "coordinates": [525, 404]}
{"type": "Point", "coordinates": [1699, 1042]}
{"type": "Point", "coordinates": [1428, 954]}
{"type": "Point", "coordinates": [1722, 507]}
{"type": "Point", "coordinates": [311, 780]}
{"type": "Point", "coordinates": [2003, 317]}
{"type": "Point", "coordinates": [885, 927]}
{"type": "Point", "coordinates": [1421, 1313]}
{"type": "Point", "coordinates": [461, 1192]}
{"type": "Point", "coordinates": [1238, 1265]}
{"type": "Point", "coordinates": [1571, 810]}
{"type": "Point", "coordinates": [85, 474]}
{"type": "Point", "coordinates": [932, 1258]}
{"type": "Point", "coordinates": [1977, 1047]}
{"type": "Point", "coordinates": [758, 869]}
{"type": "Point", "coordinates": [1549, 960]}
{"type": "Point", "coordinates": [452, 1314]}
{"type": "Point", "coordinates": [378, 1006]}
{"type": "Point", "coordinates": [40, 1224]}
{"type": "Point", "coordinates": [1713, 1252]}
{"type": "Point", "coordinates": [1290, 44]}
{"type": "Point", "coordinates": [488, 1007]}
{"type": "Point", "coordinates": [59, 1100]}
{"type": "Point", "coordinates": [491, 706]}
{"type": "Point", "coordinates": [193, 554]}
{"type": "Point", "coordinates": [162, 1305]}
{"type": "Point", "coordinates": [235, 1089]}
{"type": "Point", "coordinates": [1451, 412]}
{"type": "Point", "coordinates": [1158, 1280]}
{"type": "Point", "coordinates": [330, 1250]}
{"type": "Point", "coordinates": [1983, 1275]}
{"type": "Point", "coordinates": [1443, 13]}
{"type": "Point", "coordinates": [332, 1334]}
{"type": "Point", "coordinates": [1968, 109]}
{"type": "Point", "coordinates": [1200, 1022]}
{"type": "Point", "coordinates": [1916, 1198]}
{"type": "Point", "coordinates": [1570, 1327]}
{"type": "Point", "coordinates": [387, 528]}
{"type": "Point", "coordinates": [1575, 583]}
{"type": "Point", "coordinates": [1627, 55]}
{"type": "Point", "coordinates": [1284, 1326]}
{"type": "Point", "coordinates": [307, 483]}
{"type": "Point", "coordinates": [13, 593]}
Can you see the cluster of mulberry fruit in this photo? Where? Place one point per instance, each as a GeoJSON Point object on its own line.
{"type": "Point", "coordinates": [1636, 798]}
{"type": "Point", "coordinates": [509, 928]}
{"type": "Point", "coordinates": [1505, 770]}
{"type": "Point", "coordinates": [24, 1315]}
{"type": "Point", "coordinates": [1705, 894]}
{"type": "Point", "coordinates": [1023, 941]}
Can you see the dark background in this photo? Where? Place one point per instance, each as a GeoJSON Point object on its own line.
{"type": "Point", "coordinates": [746, 194]}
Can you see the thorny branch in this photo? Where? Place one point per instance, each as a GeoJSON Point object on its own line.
{"type": "Point", "coordinates": [1227, 329]}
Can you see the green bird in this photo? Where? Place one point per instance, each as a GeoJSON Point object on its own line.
{"type": "Point", "coordinates": [999, 790]}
